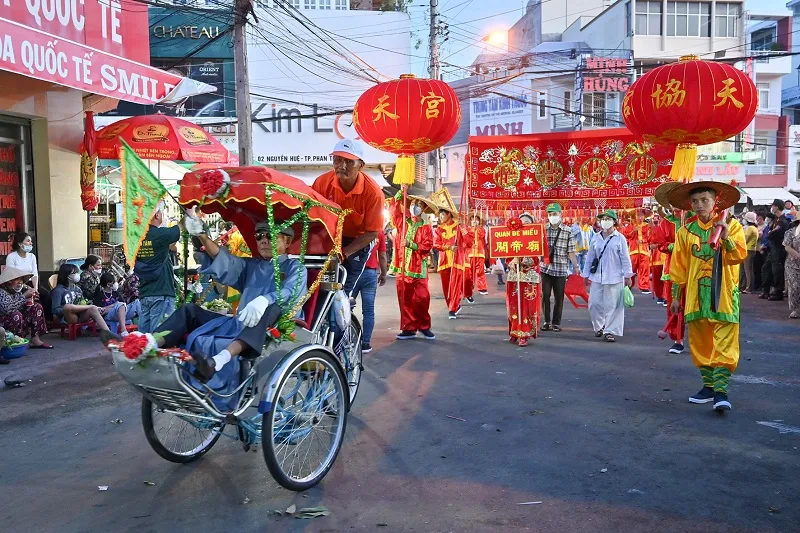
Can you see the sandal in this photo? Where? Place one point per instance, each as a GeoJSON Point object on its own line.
{"type": "Point", "coordinates": [610, 338]}
{"type": "Point", "coordinates": [523, 342]}
{"type": "Point", "coordinates": [545, 327]}
{"type": "Point", "coordinates": [598, 333]}
{"type": "Point", "coordinates": [555, 327]}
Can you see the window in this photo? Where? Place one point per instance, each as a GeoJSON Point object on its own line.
{"type": "Point", "coordinates": [341, 4]}
{"type": "Point", "coordinates": [542, 105]}
{"type": "Point", "coordinates": [567, 101]}
{"type": "Point", "coordinates": [310, 4]}
{"type": "Point", "coordinates": [324, 4]}
{"type": "Point", "coordinates": [689, 19]}
{"type": "Point", "coordinates": [648, 17]}
{"type": "Point", "coordinates": [763, 95]}
{"type": "Point", "coordinates": [295, 3]}
{"type": "Point", "coordinates": [726, 20]}
{"type": "Point", "coordinates": [763, 39]}
{"type": "Point", "coordinates": [594, 109]}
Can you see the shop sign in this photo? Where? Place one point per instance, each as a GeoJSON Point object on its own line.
{"type": "Point", "coordinates": [724, 172]}
{"type": "Point", "coordinates": [527, 241]}
{"type": "Point", "coordinates": [10, 197]}
{"type": "Point", "coordinates": [186, 32]}
{"type": "Point", "coordinates": [499, 115]}
{"type": "Point", "coordinates": [34, 53]}
{"type": "Point", "coordinates": [113, 26]}
{"type": "Point", "coordinates": [606, 75]}
{"type": "Point", "coordinates": [731, 157]}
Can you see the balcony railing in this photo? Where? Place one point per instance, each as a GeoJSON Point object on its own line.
{"type": "Point", "coordinates": [771, 170]}
{"type": "Point", "coordinates": [771, 111]}
{"type": "Point", "coordinates": [603, 119]}
{"type": "Point", "coordinates": [564, 121]}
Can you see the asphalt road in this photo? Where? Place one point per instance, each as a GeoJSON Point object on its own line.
{"type": "Point", "coordinates": [601, 434]}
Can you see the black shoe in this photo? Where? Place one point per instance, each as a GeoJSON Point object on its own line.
{"type": "Point", "coordinates": [366, 347]}
{"type": "Point", "coordinates": [661, 301]}
{"type": "Point", "coordinates": [405, 335]}
{"type": "Point", "coordinates": [471, 300]}
{"type": "Point", "coordinates": [107, 336]}
{"type": "Point", "coordinates": [598, 333]}
{"type": "Point", "coordinates": [452, 316]}
{"type": "Point", "coordinates": [429, 336]}
{"type": "Point", "coordinates": [676, 348]}
{"type": "Point", "coordinates": [721, 402]}
{"type": "Point", "coordinates": [4, 361]}
{"type": "Point", "coordinates": [204, 368]}
{"type": "Point", "coordinates": [705, 395]}
{"type": "Point", "coordinates": [458, 310]}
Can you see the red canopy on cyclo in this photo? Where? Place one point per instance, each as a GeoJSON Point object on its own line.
{"type": "Point", "coordinates": [243, 202]}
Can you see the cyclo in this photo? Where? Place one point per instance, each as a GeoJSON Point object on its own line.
{"type": "Point", "coordinates": [294, 396]}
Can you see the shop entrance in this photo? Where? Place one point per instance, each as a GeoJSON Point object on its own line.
{"type": "Point", "coordinates": [17, 211]}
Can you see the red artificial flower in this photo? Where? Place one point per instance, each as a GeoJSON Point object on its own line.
{"type": "Point", "coordinates": [211, 182]}
{"type": "Point", "coordinates": [274, 333]}
{"type": "Point", "coordinates": [133, 346]}
{"type": "Point", "coordinates": [514, 224]}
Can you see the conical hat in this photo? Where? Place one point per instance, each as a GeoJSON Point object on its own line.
{"type": "Point", "coordinates": [662, 193]}
{"type": "Point", "coordinates": [727, 195]}
{"type": "Point", "coordinates": [11, 273]}
{"type": "Point", "coordinates": [429, 206]}
{"type": "Point", "coordinates": [442, 200]}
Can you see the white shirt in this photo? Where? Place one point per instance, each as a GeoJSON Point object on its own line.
{"type": "Point", "coordinates": [615, 265]}
{"type": "Point", "coordinates": [26, 264]}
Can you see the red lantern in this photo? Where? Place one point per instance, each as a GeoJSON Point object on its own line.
{"type": "Point", "coordinates": [405, 117]}
{"type": "Point", "coordinates": [688, 103]}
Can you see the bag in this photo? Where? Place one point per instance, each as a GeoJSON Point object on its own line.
{"type": "Point", "coordinates": [596, 261]}
{"type": "Point", "coordinates": [627, 297]}
{"type": "Point", "coordinates": [498, 268]}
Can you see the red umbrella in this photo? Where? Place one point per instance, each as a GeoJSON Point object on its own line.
{"type": "Point", "coordinates": [88, 173]}
{"type": "Point", "coordinates": [244, 203]}
{"type": "Point", "coordinates": [161, 137]}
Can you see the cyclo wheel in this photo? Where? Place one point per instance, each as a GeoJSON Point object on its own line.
{"type": "Point", "coordinates": [304, 428]}
{"type": "Point", "coordinates": [352, 357]}
{"type": "Point", "coordinates": [175, 438]}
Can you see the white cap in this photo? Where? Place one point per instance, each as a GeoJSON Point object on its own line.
{"type": "Point", "coordinates": [349, 149]}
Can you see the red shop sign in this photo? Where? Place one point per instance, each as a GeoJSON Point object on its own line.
{"type": "Point", "coordinates": [119, 27]}
{"type": "Point", "coordinates": [528, 241]}
{"type": "Point", "coordinates": [33, 53]}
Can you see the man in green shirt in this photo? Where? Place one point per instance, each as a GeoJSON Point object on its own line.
{"type": "Point", "coordinates": [154, 268]}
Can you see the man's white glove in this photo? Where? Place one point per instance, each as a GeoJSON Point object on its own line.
{"type": "Point", "coordinates": [195, 226]}
{"type": "Point", "coordinates": [252, 313]}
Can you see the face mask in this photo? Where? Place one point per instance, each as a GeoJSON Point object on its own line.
{"type": "Point", "coordinates": [19, 289]}
{"type": "Point", "coordinates": [98, 270]}
{"type": "Point", "coordinates": [475, 223]}
{"type": "Point", "coordinates": [115, 286]}
{"type": "Point", "coordinates": [606, 224]}
{"type": "Point", "coordinates": [27, 248]}
{"type": "Point", "coordinates": [554, 219]}
{"type": "Point", "coordinates": [75, 278]}
{"type": "Point", "coordinates": [416, 210]}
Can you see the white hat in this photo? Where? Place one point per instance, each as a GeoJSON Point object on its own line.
{"type": "Point", "coordinates": [349, 149]}
{"type": "Point", "coordinates": [11, 273]}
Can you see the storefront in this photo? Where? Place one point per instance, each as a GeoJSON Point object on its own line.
{"type": "Point", "coordinates": [55, 65]}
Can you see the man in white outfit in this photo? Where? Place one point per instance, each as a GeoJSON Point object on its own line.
{"type": "Point", "coordinates": [608, 269]}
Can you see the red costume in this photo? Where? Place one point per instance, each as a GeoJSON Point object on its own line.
{"type": "Point", "coordinates": [656, 262]}
{"type": "Point", "coordinates": [523, 300]}
{"type": "Point", "coordinates": [664, 238]}
{"type": "Point", "coordinates": [452, 262]}
{"type": "Point", "coordinates": [476, 277]}
{"type": "Point", "coordinates": [412, 279]}
{"type": "Point", "coordinates": [638, 234]}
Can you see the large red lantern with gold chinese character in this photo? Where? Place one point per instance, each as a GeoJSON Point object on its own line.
{"type": "Point", "coordinates": [688, 103]}
{"type": "Point", "coordinates": [406, 117]}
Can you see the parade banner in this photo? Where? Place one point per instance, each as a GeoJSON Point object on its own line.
{"type": "Point", "coordinates": [525, 241]}
{"type": "Point", "coordinates": [598, 169]}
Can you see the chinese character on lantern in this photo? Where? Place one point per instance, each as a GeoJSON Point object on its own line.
{"type": "Point", "coordinates": [381, 111]}
{"type": "Point", "coordinates": [727, 94]}
{"type": "Point", "coordinates": [516, 246]}
{"type": "Point", "coordinates": [671, 95]}
{"type": "Point", "coordinates": [432, 101]}
{"type": "Point", "coordinates": [501, 247]}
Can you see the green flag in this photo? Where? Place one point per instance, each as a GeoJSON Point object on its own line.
{"type": "Point", "coordinates": [141, 192]}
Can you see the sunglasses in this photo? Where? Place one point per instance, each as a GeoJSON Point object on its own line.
{"type": "Point", "coordinates": [262, 235]}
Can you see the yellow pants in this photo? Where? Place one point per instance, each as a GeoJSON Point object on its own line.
{"type": "Point", "coordinates": [714, 344]}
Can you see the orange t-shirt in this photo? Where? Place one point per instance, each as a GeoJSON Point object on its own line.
{"type": "Point", "coordinates": [366, 201]}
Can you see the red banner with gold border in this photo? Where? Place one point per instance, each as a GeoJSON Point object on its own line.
{"type": "Point", "coordinates": [526, 241]}
{"type": "Point", "coordinates": [597, 169]}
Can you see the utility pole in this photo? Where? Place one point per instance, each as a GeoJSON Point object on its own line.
{"type": "Point", "coordinates": [244, 123]}
{"type": "Point", "coordinates": [434, 179]}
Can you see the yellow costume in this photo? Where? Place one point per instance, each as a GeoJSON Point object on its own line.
{"type": "Point", "coordinates": [713, 335]}
{"type": "Point", "coordinates": [239, 248]}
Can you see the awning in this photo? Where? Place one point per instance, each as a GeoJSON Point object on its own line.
{"type": "Point", "coordinates": [308, 176]}
{"type": "Point", "coordinates": [765, 195]}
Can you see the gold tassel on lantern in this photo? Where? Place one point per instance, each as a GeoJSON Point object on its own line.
{"type": "Point", "coordinates": [684, 162]}
{"type": "Point", "coordinates": [405, 170]}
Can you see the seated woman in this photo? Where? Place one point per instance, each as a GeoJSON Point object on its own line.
{"type": "Point", "coordinates": [129, 289]}
{"type": "Point", "coordinates": [115, 312]}
{"type": "Point", "coordinates": [242, 334]}
{"type": "Point", "coordinates": [19, 312]}
{"type": "Point", "coordinates": [90, 276]}
{"type": "Point", "coordinates": [67, 293]}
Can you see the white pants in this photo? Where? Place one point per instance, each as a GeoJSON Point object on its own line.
{"type": "Point", "coordinates": [607, 308]}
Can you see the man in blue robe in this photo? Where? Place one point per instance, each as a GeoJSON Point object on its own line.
{"type": "Point", "coordinates": [244, 333]}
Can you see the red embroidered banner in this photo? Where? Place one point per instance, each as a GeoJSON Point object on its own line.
{"type": "Point", "coordinates": [597, 169]}
{"type": "Point", "coordinates": [527, 241]}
